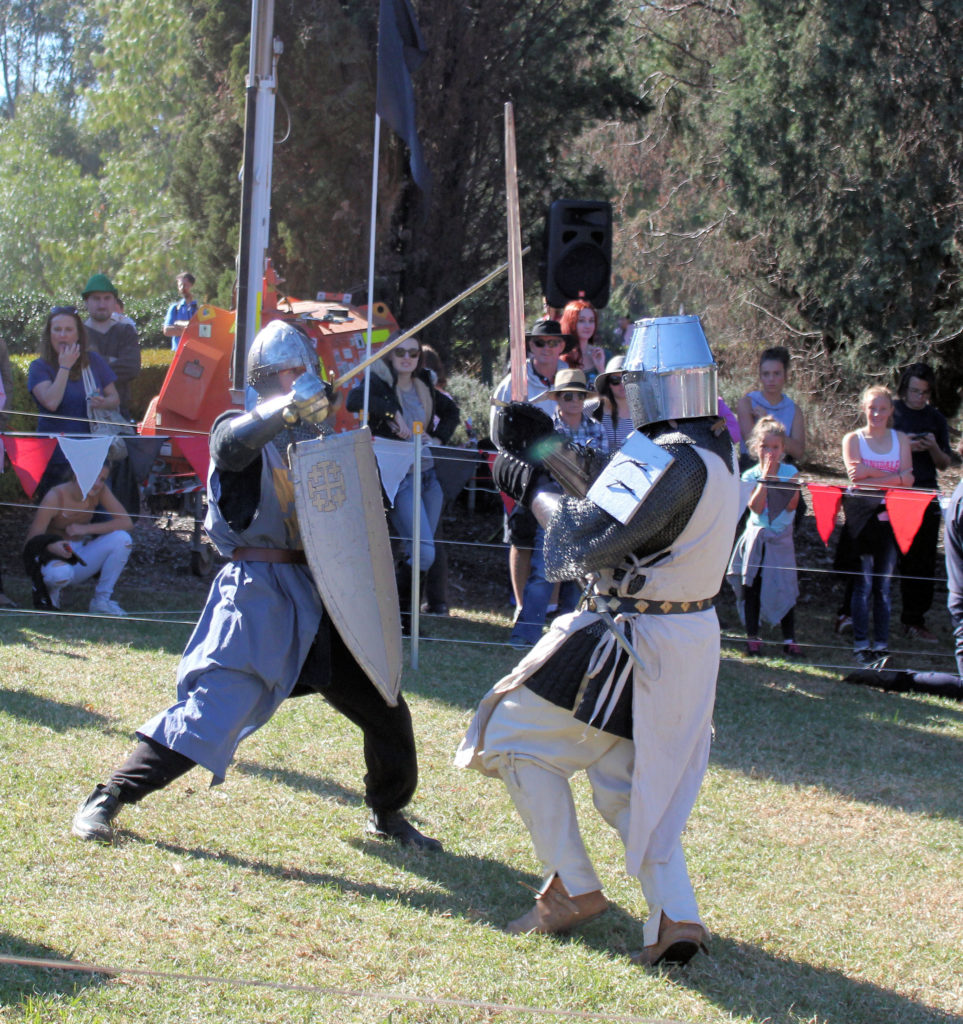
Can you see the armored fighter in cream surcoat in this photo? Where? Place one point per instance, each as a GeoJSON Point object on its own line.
{"type": "Point", "coordinates": [651, 537]}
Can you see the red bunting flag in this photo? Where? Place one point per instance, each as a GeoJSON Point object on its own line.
{"type": "Point", "coordinates": [906, 509]}
{"type": "Point", "coordinates": [825, 499]}
{"type": "Point", "coordinates": [197, 451]}
{"type": "Point", "coordinates": [29, 457]}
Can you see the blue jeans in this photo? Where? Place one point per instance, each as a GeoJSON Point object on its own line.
{"type": "Point", "coordinates": [402, 515]}
{"type": "Point", "coordinates": [537, 594]}
{"type": "Point", "coordinates": [876, 572]}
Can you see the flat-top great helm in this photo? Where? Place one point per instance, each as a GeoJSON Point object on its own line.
{"type": "Point", "coordinates": [276, 347]}
{"type": "Point", "coordinates": [669, 372]}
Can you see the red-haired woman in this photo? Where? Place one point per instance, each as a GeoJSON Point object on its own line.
{"type": "Point", "coordinates": [580, 320]}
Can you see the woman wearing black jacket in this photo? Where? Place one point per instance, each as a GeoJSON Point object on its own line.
{"type": "Point", "coordinates": [401, 392]}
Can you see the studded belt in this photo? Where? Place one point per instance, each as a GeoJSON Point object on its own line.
{"type": "Point", "coordinates": [626, 606]}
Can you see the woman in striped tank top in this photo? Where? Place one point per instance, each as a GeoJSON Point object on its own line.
{"type": "Point", "coordinates": [876, 456]}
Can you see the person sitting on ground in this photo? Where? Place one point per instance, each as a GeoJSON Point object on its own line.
{"type": "Point", "coordinates": [613, 407]}
{"type": "Point", "coordinates": [929, 437]}
{"type": "Point", "coordinates": [67, 545]}
{"type": "Point", "coordinates": [762, 570]}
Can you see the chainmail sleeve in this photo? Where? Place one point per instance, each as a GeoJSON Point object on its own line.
{"type": "Point", "coordinates": [581, 538]}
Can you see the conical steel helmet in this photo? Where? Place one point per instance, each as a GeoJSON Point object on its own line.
{"type": "Point", "coordinates": [669, 372]}
{"type": "Point", "coordinates": [276, 347]}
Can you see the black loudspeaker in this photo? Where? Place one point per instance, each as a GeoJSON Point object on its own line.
{"type": "Point", "coordinates": [578, 252]}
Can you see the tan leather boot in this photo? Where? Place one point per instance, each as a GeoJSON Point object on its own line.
{"type": "Point", "coordinates": [679, 941]}
{"type": "Point", "coordinates": [556, 911]}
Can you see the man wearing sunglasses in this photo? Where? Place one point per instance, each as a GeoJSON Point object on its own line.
{"type": "Point", "coordinates": [525, 537]}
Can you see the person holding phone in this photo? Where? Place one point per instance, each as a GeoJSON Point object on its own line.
{"type": "Point", "coordinates": [930, 447]}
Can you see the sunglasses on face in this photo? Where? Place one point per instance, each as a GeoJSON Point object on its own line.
{"type": "Point", "coordinates": [546, 342]}
{"type": "Point", "coordinates": [615, 380]}
{"type": "Point", "coordinates": [572, 396]}
{"type": "Point", "coordinates": [409, 353]}
{"type": "Point", "coordinates": [63, 310]}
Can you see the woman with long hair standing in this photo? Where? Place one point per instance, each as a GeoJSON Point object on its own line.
{"type": "Point", "coordinates": [875, 456]}
{"type": "Point", "coordinates": [580, 320]}
{"type": "Point", "coordinates": [401, 394]}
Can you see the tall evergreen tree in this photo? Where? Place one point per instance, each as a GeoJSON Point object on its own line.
{"type": "Point", "coordinates": [846, 157]}
{"type": "Point", "coordinates": [551, 57]}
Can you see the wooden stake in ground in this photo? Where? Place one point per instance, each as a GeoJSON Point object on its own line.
{"type": "Point", "coordinates": [516, 291]}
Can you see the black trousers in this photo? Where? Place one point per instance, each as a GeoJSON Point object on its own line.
{"type": "Point", "coordinates": [917, 569]}
{"type": "Point", "coordinates": [390, 757]}
{"type": "Point", "coordinates": [753, 604]}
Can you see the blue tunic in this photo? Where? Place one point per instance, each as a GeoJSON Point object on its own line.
{"type": "Point", "coordinates": [254, 634]}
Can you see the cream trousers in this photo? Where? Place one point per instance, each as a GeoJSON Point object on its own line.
{"type": "Point", "coordinates": [536, 747]}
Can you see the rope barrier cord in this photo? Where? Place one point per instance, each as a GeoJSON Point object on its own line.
{"type": "Point", "coordinates": [83, 419]}
{"type": "Point", "coordinates": [728, 638]}
{"type": "Point", "coordinates": [374, 995]}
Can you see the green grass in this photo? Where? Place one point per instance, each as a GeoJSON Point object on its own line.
{"type": "Point", "coordinates": [826, 849]}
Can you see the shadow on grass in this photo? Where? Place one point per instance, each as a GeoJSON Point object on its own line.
{"type": "Point", "coordinates": [885, 748]}
{"type": "Point", "coordinates": [774, 988]}
{"type": "Point", "coordinates": [768, 987]}
{"type": "Point", "coordinates": [34, 630]}
{"type": "Point", "coordinates": [320, 785]}
{"type": "Point", "coordinates": [18, 983]}
{"type": "Point", "coordinates": [464, 882]}
{"type": "Point", "coordinates": [53, 714]}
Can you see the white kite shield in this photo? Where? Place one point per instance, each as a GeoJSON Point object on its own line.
{"type": "Point", "coordinates": [337, 493]}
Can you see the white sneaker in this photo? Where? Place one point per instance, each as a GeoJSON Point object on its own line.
{"type": "Point", "coordinates": [104, 606]}
{"type": "Point", "coordinates": [54, 594]}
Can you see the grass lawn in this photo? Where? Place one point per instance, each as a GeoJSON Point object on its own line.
{"type": "Point", "coordinates": [827, 851]}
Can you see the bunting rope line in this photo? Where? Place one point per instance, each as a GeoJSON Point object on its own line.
{"type": "Point", "coordinates": [371, 995]}
{"type": "Point", "coordinates": [82, 419]}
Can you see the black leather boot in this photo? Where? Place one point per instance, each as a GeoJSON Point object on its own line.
{"type": "Point", "coordinates": [394, 825]}
{"type": "Point", "coordinates": [95, 814]}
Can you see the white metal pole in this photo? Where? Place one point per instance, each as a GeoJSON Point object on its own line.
{"type": "Point", "coordinates": [417, 428]}
{"type": "Point", "coordinates": [371, 262]}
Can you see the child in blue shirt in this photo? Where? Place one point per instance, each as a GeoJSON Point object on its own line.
{"type": "Point", "coordinates": [762, 570]}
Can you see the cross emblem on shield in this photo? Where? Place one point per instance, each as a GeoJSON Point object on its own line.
{"type": "Point", "coordinates": [327, 486]}
{"type": "Point", "coordinates": [341, 515]}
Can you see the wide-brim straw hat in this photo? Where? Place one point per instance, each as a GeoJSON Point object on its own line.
{"type": "Point", "coordinates": [567, 380]}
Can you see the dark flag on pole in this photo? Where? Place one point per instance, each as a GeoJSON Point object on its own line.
{"type": "Point", "coordinates": [401, 51]}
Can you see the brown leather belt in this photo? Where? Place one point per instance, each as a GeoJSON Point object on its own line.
{"type": "Point", "coordinates": [628, 606]}
{"type": "Point", "coordinates": [268, 555]}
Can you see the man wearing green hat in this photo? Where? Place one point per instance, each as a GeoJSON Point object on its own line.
{"type": "Point", "coordinates": [116, 341]}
